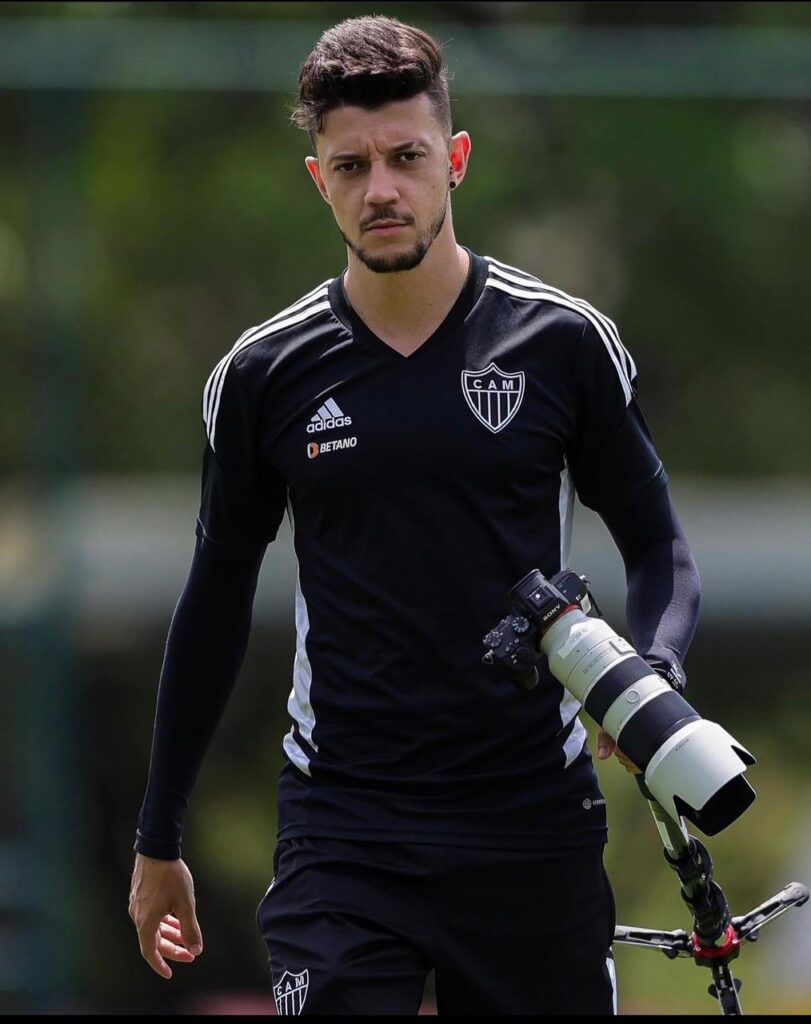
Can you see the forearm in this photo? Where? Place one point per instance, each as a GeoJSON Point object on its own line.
{"type": "Point", "coordinates": [204, 652]}
{"type": "Point", "coordinates": [663, 584]}
{"type": "Point", "coordinates": [663, 599]}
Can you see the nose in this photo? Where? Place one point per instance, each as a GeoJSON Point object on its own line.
{"type": "Point", "coordinates": [381, 188]}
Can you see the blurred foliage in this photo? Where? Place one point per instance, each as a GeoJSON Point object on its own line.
{"type": "Point", "coordinates": [562, 12]}
{"type": "Point", "coordinates": [184, 218]}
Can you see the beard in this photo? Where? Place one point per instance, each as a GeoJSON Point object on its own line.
{"type": "Point", "coordinates": [403, 260]}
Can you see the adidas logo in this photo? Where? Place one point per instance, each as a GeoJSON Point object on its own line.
{"type": "Point", "coordinates": [327, 417]}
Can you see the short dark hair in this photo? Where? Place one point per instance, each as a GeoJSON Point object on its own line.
{"type": "Point", "coordinates": [367, 62]}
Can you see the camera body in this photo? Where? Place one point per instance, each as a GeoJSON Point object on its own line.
{"type": "Point", "coordinates": [692, 766]}
{"type": "Point", "coordinates": [537, 602]}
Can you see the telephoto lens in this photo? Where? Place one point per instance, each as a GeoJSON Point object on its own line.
{"type": "Point", "coordinates": [692, 766]}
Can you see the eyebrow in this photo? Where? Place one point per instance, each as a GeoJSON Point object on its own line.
{"type": "Point", "coordinates": [401, 147]}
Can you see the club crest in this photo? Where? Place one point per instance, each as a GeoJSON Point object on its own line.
{"type": "Point", "coordinates": [494, 397]}
{"type": "Point", "coordinates": [289, 992]}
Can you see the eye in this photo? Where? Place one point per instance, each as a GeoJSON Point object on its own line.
{"type": "Point", "coordinates": [348, 166]}
{"type": "Point", "coordinates": [408, 157]}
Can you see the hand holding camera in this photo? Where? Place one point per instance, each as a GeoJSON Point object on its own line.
{"type": "Point", "coordinates": [692, 766]}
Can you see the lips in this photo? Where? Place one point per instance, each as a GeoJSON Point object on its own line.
{"type": "Point", "coordinates": [386, 230]}
{"type": "Point", "coordinates": [385, 225]}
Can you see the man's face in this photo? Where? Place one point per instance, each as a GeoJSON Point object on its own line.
{"type": "Point", "coordinates": [385, 173]}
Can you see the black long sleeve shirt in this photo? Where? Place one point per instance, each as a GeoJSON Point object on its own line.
{"type": "Point", "coordinates": [420, 489]}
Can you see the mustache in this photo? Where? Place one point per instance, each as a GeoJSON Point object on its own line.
{"type": "Point", "coordinates": [384, 213]}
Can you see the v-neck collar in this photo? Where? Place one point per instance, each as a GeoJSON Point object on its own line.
{"type": "Point", "coordinates": [466, 300]}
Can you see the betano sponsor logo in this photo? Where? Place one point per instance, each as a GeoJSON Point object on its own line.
{"type": "Point", "coordinates": [314, 448]}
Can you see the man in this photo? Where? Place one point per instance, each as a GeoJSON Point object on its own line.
{"type": "Point", "coordinates": [424, 417]}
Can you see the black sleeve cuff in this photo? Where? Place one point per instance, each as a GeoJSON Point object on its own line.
{"type": "Point", "coordinates": [668, 666]}
{"type": "Point", "coordinates": [155, 848]}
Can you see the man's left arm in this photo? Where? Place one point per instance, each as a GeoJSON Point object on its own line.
{"type": "Point", "coordinates": [663, 585]}
{"type": "Point", "coordinates": [663, 590]}
{"type": "Point", "coordinates": [618, 473]}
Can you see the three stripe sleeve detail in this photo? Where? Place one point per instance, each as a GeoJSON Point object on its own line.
{"type": "Point", "coordinates": [502, 277]}
{"type": "Point", "coordinates": [522, 285]}
{"type": "Point", "coordinates": [311, 304]}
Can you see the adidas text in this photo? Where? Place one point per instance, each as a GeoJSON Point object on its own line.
{"type": "Point", "coordinates": [329, 424]}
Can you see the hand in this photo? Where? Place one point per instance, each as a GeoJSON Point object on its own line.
{"type": "Point", "coordinates": [161, 906]}
{"type": "Point", "coordinates": [606, 746]}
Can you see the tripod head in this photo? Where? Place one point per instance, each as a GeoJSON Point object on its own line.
{"type": "Point", "coordinates": [717, 937]}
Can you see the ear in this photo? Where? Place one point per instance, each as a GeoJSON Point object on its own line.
{"type": "Point", "coordinates": [459, 154]}
{"type": "Point", "coordinates": [315, 173]}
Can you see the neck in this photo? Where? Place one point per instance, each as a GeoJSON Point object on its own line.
{"type": "Point", "coordinates": [407, 306]}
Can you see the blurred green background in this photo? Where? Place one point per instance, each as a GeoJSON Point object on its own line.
{"type": "Point", "coordinates": [653, 158]}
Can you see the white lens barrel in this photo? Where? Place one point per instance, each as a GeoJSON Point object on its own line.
{"type": "Point", "coordinates": [693, 767]}
{"type": "Point", "coordinates": [575, 637]}
{"type": "Point", "coordinates": [632, 700]}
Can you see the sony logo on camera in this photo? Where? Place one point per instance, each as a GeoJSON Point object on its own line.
{"type": "Point", "coordinates": [333, 421]}
{"type": "Point", "coordinates": [555, 610]}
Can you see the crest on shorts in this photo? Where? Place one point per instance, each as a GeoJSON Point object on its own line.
{"type": "Point", "coordinates": [494, 397]}
{"type": "Point", "coordinates": [290, 991]}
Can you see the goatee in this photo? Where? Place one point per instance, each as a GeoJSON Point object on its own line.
{"type": "Point", "coordinates": [404, 260]}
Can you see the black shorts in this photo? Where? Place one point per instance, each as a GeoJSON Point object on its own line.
{"type": "Point", "coordinates": [355, 928]}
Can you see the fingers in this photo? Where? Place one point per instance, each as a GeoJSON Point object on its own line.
{"type": "Point", "coordinates": [177, 953]}
{"type": "Point", "coordinates": [152, 945]}
{"type": "Point", "coordinates": [605, 745]}
{"type": "Point", "coordinates": [167, 944]}
{"type": "Point", "coordinates": [191, 936]}
{"type": "Point", "coordinates": [162, 908]}
{"type": "Point", "coordinates": [171, 947]}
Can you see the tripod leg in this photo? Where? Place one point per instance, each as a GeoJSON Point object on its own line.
{"type": "Point", "coordinates": [725, 988]}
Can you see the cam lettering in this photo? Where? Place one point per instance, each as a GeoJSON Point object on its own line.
{"type": "Point", "coordinates": [506, 385]}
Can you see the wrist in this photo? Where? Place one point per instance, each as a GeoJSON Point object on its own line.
{"type": "Point", "coordinates": [668, 666]}
{"type": "Point", "coordinates": [156, 849]}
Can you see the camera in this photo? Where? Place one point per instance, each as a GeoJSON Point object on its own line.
{"type": "Point", "coordinates": [692, 766]}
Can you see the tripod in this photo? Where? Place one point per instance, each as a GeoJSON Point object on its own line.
{"type": "Point", "coordinates": [717, 937]}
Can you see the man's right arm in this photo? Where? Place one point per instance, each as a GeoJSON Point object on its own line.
{"type": "Point", "coordinates": [204, 652]}
{"type": "Point", "coordinates": [242, 505]}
